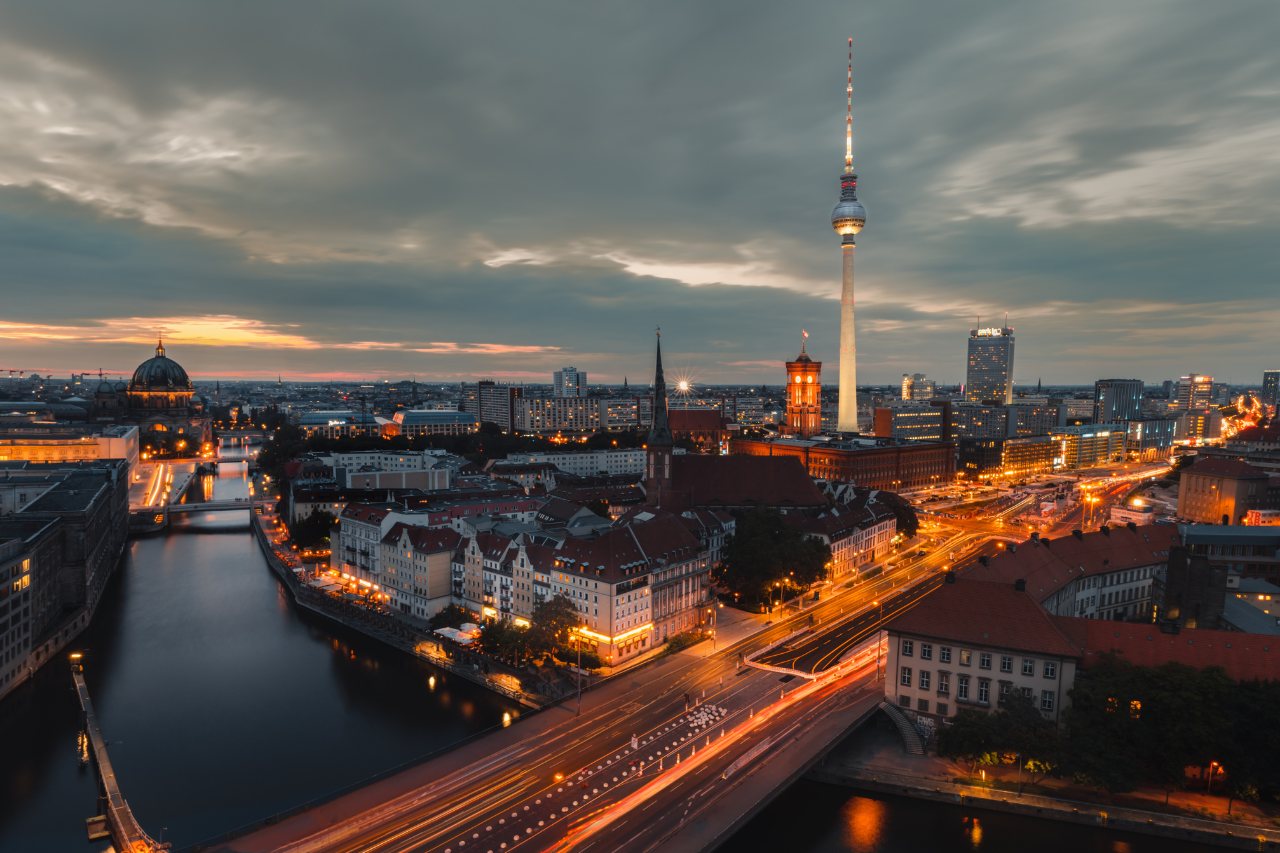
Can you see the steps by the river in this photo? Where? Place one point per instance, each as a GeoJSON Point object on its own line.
{"type": "Point", "coordinates": [911, 740]}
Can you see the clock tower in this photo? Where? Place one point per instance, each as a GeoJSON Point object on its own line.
{"type": "Point", "coordinates": [804, 394]}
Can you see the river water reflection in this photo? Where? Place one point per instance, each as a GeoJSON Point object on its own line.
{"type": "Point", "coordinates": [227, 702]}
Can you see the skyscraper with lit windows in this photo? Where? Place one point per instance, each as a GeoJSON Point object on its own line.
{"type": "Point", "coordinates": [989, 375]}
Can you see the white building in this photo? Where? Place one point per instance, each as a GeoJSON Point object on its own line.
{"type": "Point", "coordinates": [569, 382]}
{"type": "Point", "coordinates": [588, 462]}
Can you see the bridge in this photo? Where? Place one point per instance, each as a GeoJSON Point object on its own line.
{"type": "Point", "coordinates": [675, 757]}
{"type": "Point", "coordinates": [207, 506]}
{"type": "Point", "coordinates": [125, 833]}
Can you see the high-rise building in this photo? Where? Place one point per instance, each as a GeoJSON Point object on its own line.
{"type": "Point", "coordinates": [570, 383]}
{"type": "Point", "coordinates": [848, 218]}
{"type": "Point", "coordinates": [1116, 400]}
{"type": "Point", "coordinates": [1270, 387]}
{"type": "Point", "coordinates": [990, 369]}
{"type": "Point", "coordinates": [916, 387]}
{"type": "Point", "coordinates": [804, 395]}
{"type": "Point", "coordinates": [1195, 392]}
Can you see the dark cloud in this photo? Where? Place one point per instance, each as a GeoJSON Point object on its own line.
{"type": "Point", "coordinates": [386, 178]}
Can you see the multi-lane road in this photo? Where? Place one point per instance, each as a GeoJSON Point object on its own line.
{"type": "Point", "coordinates": [662, 742]}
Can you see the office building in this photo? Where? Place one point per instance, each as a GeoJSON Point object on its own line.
{"type": "Point", "coordinates": [57, 442]}
{"type": "Point", "coordinates": [1198, 425]}
{"type": "Point", "coordinates": [569, 382]}
{"type": "Point", "coordinates": [1270, 387]}
{"type": "Point", "coordinates": [874, 463]}
{"type": "Point", "coordinates": [1087, 446]}
{"type": "Point", "coordinates": [913, 423]}
{"type": "Point", "coordinates": [1195, 392]}
{"type": "Point", "coordinates": [497, 404]}
{"type": "Point", "coordinates": [989, 375]}
{"type": "Point", "coordinates": [1116, 400]}
{"type": "Point", "coordinates": [1150, 439]}
{"type": "Point", "coordinates": [1221, 491]}
{"type": "Point", "coordinates": [415, 422]}
{"type": "Point", "coordinates": [916, 386]}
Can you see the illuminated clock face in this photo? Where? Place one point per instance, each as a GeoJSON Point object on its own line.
{"type": "Point", "coordinates": [799, 379]}
{"type": "Point", "coordinates": [810, 380]}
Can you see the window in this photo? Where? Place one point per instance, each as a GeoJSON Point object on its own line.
{"type": "Point", "coordinates": [905, 680]}
{"type": "Point", "coordinates": [1028, 666]}
{"type": "Point", "coordinates": [926, 651]}
{"type": "Point", "coordinates": [962, 687]}
{"type": "Point", "coordinates": [942, 708]}
{"type": "Point", "coordinates": [1026, 691]}
{"type": "Point", "coordinates": [924, 679]}
{"type": "Point", "coordinates": [944, 654]}
{"type": "Point", "coordinates": [944, 682]}
{"type": "Point", "coordinates": [907, 647]}
{"type": "Point", "coordinates": [1046, 700]}
{"type": "Point", "coordinates": [1050, 669]}
{"type": "Point", "coordinates": [984, 692]}
{"type": "Point", "coordinates": [1004, 691]}
{"type": "Point", "coordinates": [1006, 663]}
{"type": "Point", "coordinates": [966, 657]}
{"type": "Point", "coordinates": [984, 660]}
{"type": "Point", "coordinates": [904, 701]}
{"type": "Point", "coordinates": [922, 704]}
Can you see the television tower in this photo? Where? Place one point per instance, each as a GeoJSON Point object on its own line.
{"type": "Point", "coordinates": [848, 218]}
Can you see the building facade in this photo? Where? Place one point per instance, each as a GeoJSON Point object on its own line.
{"type": "Point", "coordinates": [1195, 392]}
{"type": "Point", "coordinates": [1117, 400]}
{"type": "Point", "coordinates": [569, 382]}
{"type": "Point", "coordinates": [1220, 491]}
{"type": "Point", "coordinates": [804, 395]}
{"type": "Point", "coordinates": [989, 375]}
{"type": "Point", "coordinates": [876, 463]}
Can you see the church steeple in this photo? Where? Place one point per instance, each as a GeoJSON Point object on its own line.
{"type": "Point", "coordinates": [658, 471]}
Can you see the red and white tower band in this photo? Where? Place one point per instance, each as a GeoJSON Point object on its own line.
{"type": "Point", "coordinates": [804, 394]}
{"type": "Point", "coordinates": [848, 218]}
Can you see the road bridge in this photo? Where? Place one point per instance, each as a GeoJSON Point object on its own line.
{"type": "Point", "coordinates": [672, 758]}
{"type": "Point", "coordinates": [126, 835]}
{"type": "Point", "coordinates": [209, 506]}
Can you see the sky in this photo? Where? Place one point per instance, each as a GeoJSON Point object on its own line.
{"type": "Point", "coordinates": [387, 190]}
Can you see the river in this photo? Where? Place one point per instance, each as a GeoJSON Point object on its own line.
{"type": "Point", "coordinates": [224, 703]}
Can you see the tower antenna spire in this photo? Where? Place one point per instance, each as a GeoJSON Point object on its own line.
{"type": "Point", "coordinates": [848, 120]}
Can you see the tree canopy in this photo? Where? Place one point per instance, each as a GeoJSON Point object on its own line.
{"type": "Point", "coordinates": [765, 551]}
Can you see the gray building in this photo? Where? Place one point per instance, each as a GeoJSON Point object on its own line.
{"type": "Point", "coordinates": [989, 375]}
{"type": "Point", "coordinates": [1117, 400]}
{"type": "Point", "coordinates": [1150, 439]}
{"type": "Point", "coordinates": [570, 382]}
{"type": "Point", "coordinates": [1270, 387]}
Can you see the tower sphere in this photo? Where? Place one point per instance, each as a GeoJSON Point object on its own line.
{"type": "Point", "coordinates": [849, 215]}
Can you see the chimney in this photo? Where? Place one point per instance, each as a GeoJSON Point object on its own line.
{"type": "Point", "coordinates": [1035, 537]}
{"type": "Point", "coordinates": [1079, 534]}
{"type": "Point", "coordinates": [1020, 585]}
{"type": "Point", "coordinates": [950, 577]}
{"type": "Point", "coordinates": [985, 560]}
{"type": "Point", "coordinates": [1045, 541]}
{"type": "Point", "coordinates": [1106, 531]}
{"type": "Point", "coordinates": [1131, 526]}
{"type": "Point", "coordinates": [1013, 547]}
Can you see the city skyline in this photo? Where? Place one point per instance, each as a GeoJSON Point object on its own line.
{"type": "Point", "coordinates": [244, 208]}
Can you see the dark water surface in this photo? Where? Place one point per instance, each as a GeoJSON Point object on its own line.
{"type": "Point", "coordinates": [817, 818]}
{"type": "Point", "coordinates": [228, 703]}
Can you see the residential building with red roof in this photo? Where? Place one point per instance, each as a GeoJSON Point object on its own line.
{"type": "Point", "coordinates": [1105, 574]}
{"type": "Point", "coordinates": [416, 568]}
{"type": "Point", "coordinates": [857, 536]}
{"type": "Point", "coordinates": [973, 643]}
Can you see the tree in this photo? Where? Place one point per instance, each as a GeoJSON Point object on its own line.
{"type": "Point", "coordinates": [504, 639]}
{"type": "Point", "coordinates": [973, 738]}
{"type": "Point", "coordinates": [1026, 732]}
{"type": "Point", "coordinates": [453, 616]}
{"type": "Point", "coordinates": [765, 551]}
{"type": "Point", "coordinates": [313, 530]}
{"type": "Point", "coordinates": [552, 622]}
{"type": "Point", "coordinates": [598, 506]}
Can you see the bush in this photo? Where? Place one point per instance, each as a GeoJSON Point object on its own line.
{"type": "Point", "coordinates": [680, 642]}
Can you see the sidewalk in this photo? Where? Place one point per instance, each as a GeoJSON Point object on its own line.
{"type": "Point", "coordinates": [874, 759]}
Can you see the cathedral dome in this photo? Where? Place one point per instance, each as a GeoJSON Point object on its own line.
{"type": "Point", "coordinates": [160, 373]}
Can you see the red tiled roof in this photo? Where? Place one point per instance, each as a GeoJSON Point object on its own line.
{"type": "Point", "coordinates": [1231, 468]}
{"type": "Point", "coordinates": [1049, 566]}
{"type": "Point", "coordinates": [1243, 656]}
{"type": "Point", "coordinates": [981, 613]}
{"type": "Point", "coordinates": [1258, 433]}
{"type": "Point", "coordinates": [361, 512]}
{"type": "Point", "coordinates": [623, 551]}
{"type": "Point", "coordinates": [744, 481]}
{"type": "Point", "coordinates": [695, 420]}
{"type": "Point", "coordinates": [428, 540]}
